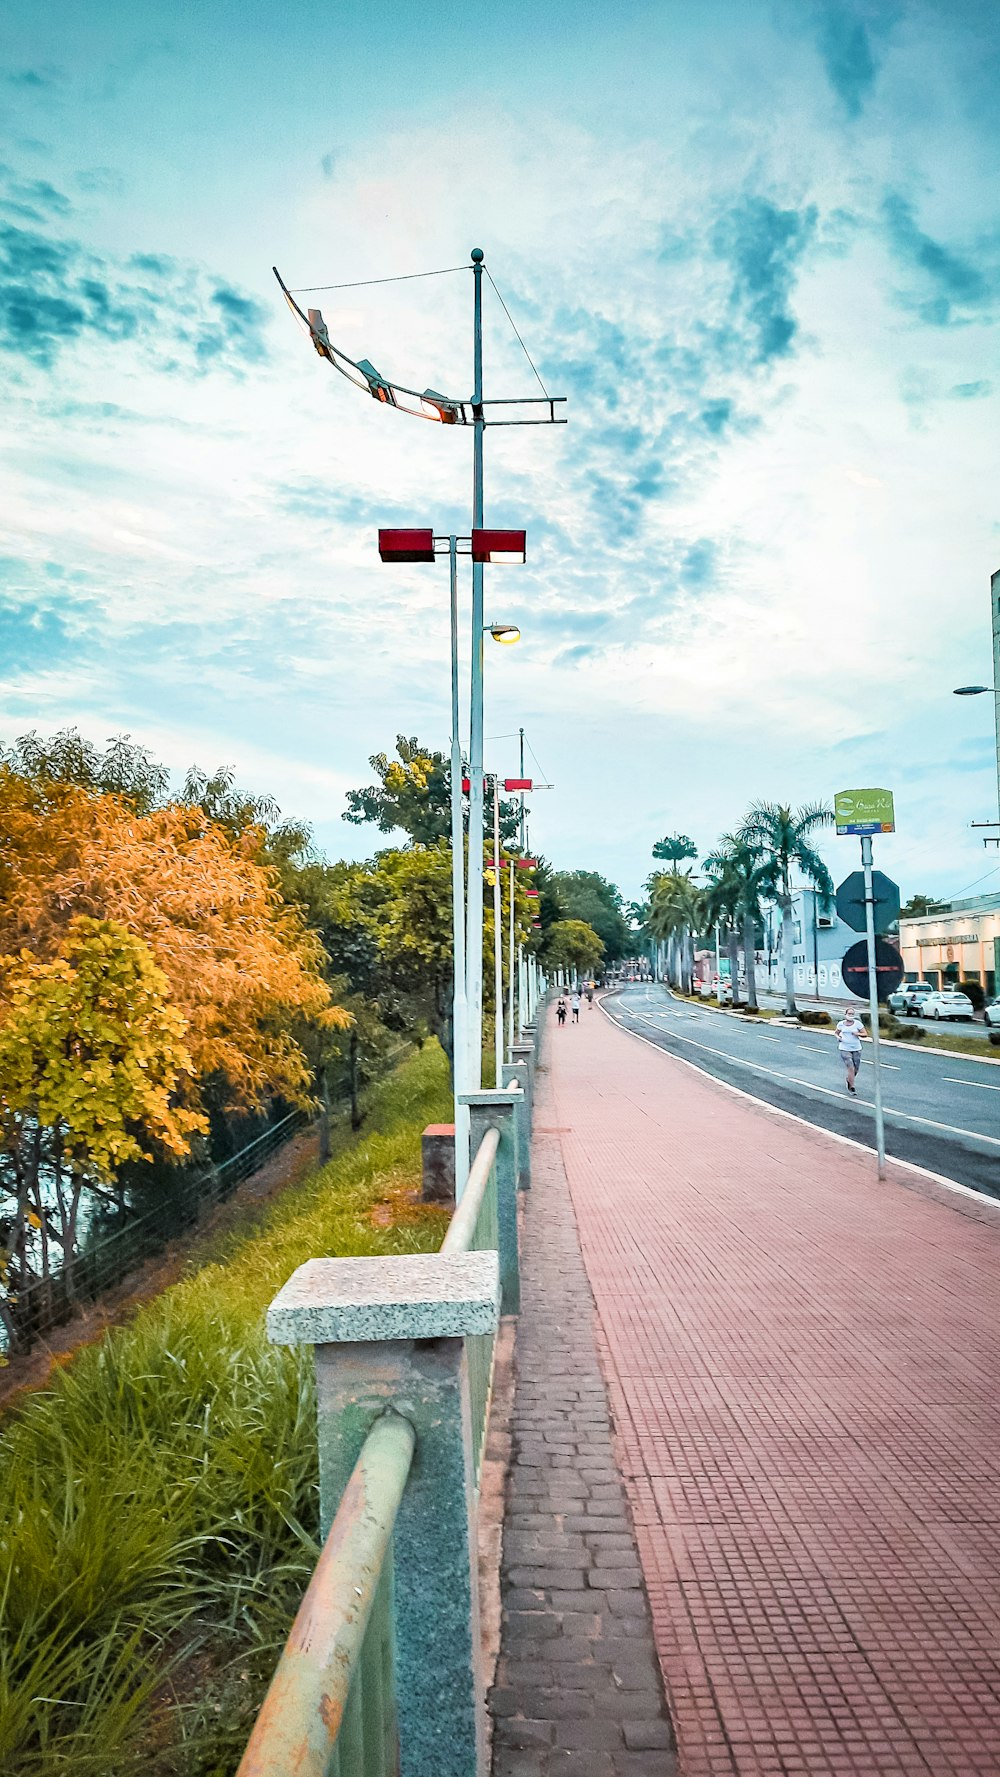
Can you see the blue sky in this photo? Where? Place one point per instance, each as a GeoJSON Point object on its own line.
{"type": "Point", "coordinates": [758, 248]}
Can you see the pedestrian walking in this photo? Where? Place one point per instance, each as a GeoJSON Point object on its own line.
{"type": "Point", "coordinates": [575, 1003]}
{"type": "Point", "coordinates": [561, 1010]}
{"type": "Point", "coordinates": [850, 1031]}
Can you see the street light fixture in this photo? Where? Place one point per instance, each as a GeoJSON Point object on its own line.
{"type": "Point", "coordinates": [507, 633]}
{"type": "Point", "coordinates": [487, 546]}
{"type": "Point", "coordinates": [978, 691]}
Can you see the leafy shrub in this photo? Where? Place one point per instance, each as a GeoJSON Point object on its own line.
{"type": "Point", "coordinates": [811, 1015]}
{"type": "Point", "coordinates": [973, 990]}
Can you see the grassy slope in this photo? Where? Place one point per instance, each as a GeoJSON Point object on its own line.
{"type": "Point", "coordinates": [158, 1504]}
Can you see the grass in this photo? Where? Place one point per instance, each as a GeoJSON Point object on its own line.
{"type": "Point", "coordinates": [158, 1505]}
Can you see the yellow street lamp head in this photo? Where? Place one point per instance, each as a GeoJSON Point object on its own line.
{"type": "Point", "coordinates": [508, 633]}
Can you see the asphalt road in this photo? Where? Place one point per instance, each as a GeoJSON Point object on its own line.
{"type": "Point", "coordinates": [941, 1111]}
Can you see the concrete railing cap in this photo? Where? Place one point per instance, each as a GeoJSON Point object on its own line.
{"type": "Point", "coordinates": [414, 1296]}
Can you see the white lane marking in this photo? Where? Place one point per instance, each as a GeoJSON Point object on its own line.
{"type": "Point", "coordinates": [980, 1084]}
{"type": "Point", "coordinates": [794, 1080]}
{"type": "Point", "coordinates": [766, 1039]}
{"type": "Point", "coordinates": [775, 1110]}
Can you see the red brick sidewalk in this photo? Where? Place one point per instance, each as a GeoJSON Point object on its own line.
{"type": "Point", "coordinates": [804, 1370]}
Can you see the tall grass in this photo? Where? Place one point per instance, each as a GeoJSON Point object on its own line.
{"type": "Point", "coordinates": [158, 1505]}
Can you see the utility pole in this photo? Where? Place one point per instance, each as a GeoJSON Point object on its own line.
{"type": "Point", "coordinates": [474, 944]}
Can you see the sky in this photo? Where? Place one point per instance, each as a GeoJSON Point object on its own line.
{"type": "Point", "coordinates": [757, 248]}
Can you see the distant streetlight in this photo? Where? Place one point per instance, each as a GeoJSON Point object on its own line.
{"type": "Point", "coordinates": [971, 690]}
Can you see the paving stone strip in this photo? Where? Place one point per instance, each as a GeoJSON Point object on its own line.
{"type": "Point", "coordinates": [578, 1690]}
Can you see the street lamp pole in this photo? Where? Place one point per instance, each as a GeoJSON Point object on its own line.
{"type": "Point", "coordinates": [474, 946]}
{"type": "Point", "coordinates": [510, 963]}
{"type": "Point", "coordinates": [459, 1016]}
{"type": "Point", "coordinates": [497, 942]}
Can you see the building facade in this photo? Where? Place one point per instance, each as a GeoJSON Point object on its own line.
{"type": "Point", "coordinates": [958, 942]}
{"type": "Point", "coordinates": [819, 940]}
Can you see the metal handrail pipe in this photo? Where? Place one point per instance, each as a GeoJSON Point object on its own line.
{"type": "Point", "coordinates": [462, 1226]}
{"type": "Point", "coordinates": [301, 1716]}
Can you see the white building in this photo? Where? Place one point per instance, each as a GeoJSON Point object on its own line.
{"type": "Point", "coordinates": [819, 939]}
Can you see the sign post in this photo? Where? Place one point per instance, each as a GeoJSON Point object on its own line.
{"type": "Point", "coordinates": [866, 860]}
{"type": "Point", "coordinates": [865, 812]}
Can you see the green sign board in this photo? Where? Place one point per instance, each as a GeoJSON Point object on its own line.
{"type": "Point", "coordinates": [864, 811]}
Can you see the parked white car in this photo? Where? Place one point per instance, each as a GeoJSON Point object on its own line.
{"type": "Point", "coordinates": [947, 1004]}
{"type": "Point", "coordinates": [992, 1014]}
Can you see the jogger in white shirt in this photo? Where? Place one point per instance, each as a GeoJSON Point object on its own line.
{"type": "Point", "coordinates": [850, 1031]}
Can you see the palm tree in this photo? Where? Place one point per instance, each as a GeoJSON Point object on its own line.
{"type": "Point", "coordinates": [781, 837]}
{"type": "Point", "coordinates": [675, 913]}
{"type": "Point", "coordinates": [742, 881]}
{"type": "Point", "coordinates": [722, 908]}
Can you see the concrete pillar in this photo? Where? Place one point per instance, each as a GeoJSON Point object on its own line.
{"type": "Point", "coordinates": [499, 1110]}
{"type": "Point", "coordinates": [524, 1052]}
{"type": "Point", "coordinates": [515, 1073]}
{"type": "Point", "coordinates": [392, 1332]}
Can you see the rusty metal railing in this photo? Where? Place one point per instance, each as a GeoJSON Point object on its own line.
{"type": "Point", "coordinates": [331, 1707]}
{"type": "Point", "coordinates": [473, 1228]}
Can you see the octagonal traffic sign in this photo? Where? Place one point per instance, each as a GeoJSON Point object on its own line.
{"type": "Point", "coordinates": [851, 900]}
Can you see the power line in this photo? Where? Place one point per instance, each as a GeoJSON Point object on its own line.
{"type": "Point", "coordinates": [363, 283]}
{"type": "Point", "coordinates": [517, 336]}
{"type": "Point", "coordinates": [975, 884]}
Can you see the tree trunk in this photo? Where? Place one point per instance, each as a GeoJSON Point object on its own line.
{"type": "Point", "coordinates": [324, 1114]}
{"type": "Point", "coordinates": [750, 959]}
{"type": "Point", "coordinates": [356, 1118]}
{"type": "Point", "coordinates": [787, 949]}
{"type": "Point", "coordinates": [733, 947]}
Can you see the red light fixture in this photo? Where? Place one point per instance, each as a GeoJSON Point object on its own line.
{"type": "Point", "coordinates": [466, 786]}
{"type": "Point", "coordinates": [532, 894]}
{"type": "Point", "coordinates": [517, 783]}
{"type": "Point", "coordinates": [406, 545]}
{"type": "Point", "coordinates": [499, 546]}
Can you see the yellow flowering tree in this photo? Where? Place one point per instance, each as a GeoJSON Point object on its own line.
{"type": "Point", "coordinates": [94, 1071]}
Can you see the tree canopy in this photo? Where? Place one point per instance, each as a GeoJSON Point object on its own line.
{"type": "Point", "coordinates": [585, 895]}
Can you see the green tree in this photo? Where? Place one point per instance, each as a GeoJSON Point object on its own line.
{"type": "Point", "coordinates": [121, 769]}
{"type": "Point", "coordinates": [413, 796]}
{"type": "Point", "coordinates": [583, 894]}
{"type": "Point", "coordinates": [782, 838]}
{"type": "Point", "coordinates": [573, 945]}
{"type": "Point", "coordinates": [917, 905]}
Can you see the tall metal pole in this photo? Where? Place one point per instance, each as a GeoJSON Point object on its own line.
{"type": "Point", "coordinates": [474, 947]}
{"type": "Point", "coordinates": [510, 962]}
{"type": "Point", "coordinates": [497, 942]}
{"type": "Point", "coordinates": [523, 839]}
{"type": "Point", "coordinates": [866, 859]}
{"type": "Point", "coordinates": [995, 609]}
{"type": "Point", "coordinates": [459, 1015]}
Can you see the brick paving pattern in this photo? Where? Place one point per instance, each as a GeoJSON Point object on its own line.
{"type": "Point", "coordinates": [578, 1690]}
{"type": "Point", "coordinates": [804, 1375]}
